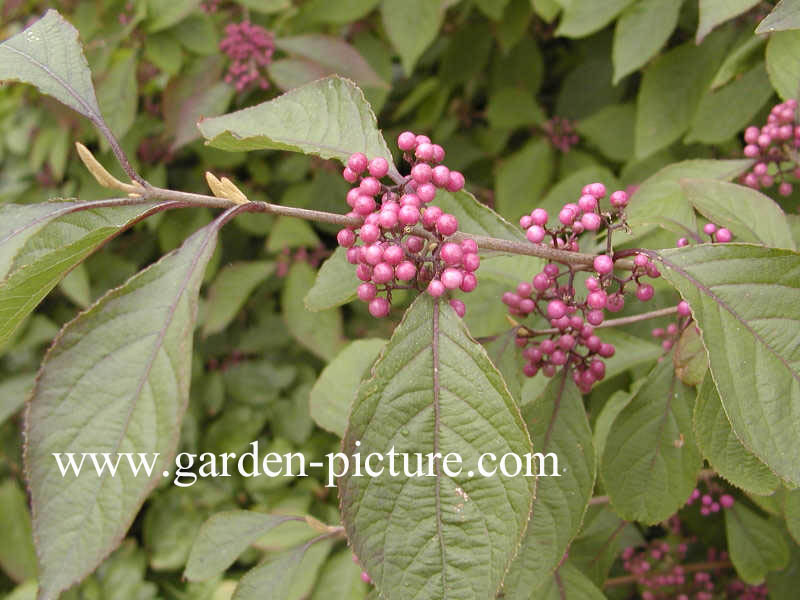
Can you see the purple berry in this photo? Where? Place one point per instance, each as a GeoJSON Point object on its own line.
{"type": "Point", "coordinates": [615, 303]}
{"type": "Point", "coordinates": [603, 264]}
{"type": "Point", "coordinates": [471, 261]}
{"type": "Point", "coordinates": [414, 244]}
{"type": "Point", "coordinates": [436, 288]}
{"type": "Point", "coordinates": [405, 271]}
{"type": "Point", "coordinates": [524, 289]}
{"type": "Point", "coordinates": [469, 283]}
{"type": "Point", "coordinates": [726, 500]}
{"type": "Point", "coordinates": [408, 215]}
{"type": "Point", "coordinates": [526, 306]}
{"type": "Point", "coordinates": [447, 224]}
{"type": "Point", "coordinates": [683, 308]}
{"type": "Point", "coordinates": [369, 233]}
{"type": "Point", "coordinates": [556, 309]}
{"type": "Point", "coordinates": [452, 278]}
{"type": "Point", "coordinates": [367, 291]}
{"type": "Point", "coordinates": [346, 238]}
{"type": "Point", "coordinates": [551, 270]}
{"type": "Point", "coordinates": [541, 282]}
{"type": "Point", "coordinates": [459, 307]}
{"type": "Point", "coordinates": [597, 299]}
{"type": "Point", "coordinates": [785, 188]}
{"type": "Point", "coordinates": [645, 292]}
{"type": "Point", "coordinates": [455, 182]}
{"type": "Point", "coordinates": [451, 254]}
{"type": "Point", "coordinates": [595, 316]}
{"type": "Point", "coordinates": [606, 350]}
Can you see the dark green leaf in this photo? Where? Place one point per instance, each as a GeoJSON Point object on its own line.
{"type": "Point", "coordinates": [755, 544]}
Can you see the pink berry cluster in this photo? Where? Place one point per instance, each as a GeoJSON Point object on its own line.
{"type": "Point", "coordinates": [719, 235]}
{"type": "Point", "coordinates": [712, 501]}
{"type": "Point", "coordinates": [573, 342]}
{"type": "Point", "coordinates": [390, 256]}
{"type": "Point", "coordinates": [670, 334]}
{"type": "Point", "coordinates": [364, 575]}
{"type": "Point", "coordinates": [575, 218]}
{"type": "Point", "coordinates": [773, 145]}
{"type": "Point", "coordinates": [250, 48]}
{"type": "Point", "coordinates": [561, 133]}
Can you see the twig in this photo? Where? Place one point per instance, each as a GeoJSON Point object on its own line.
{"type": "Point", "coordinates": [690, 568]}
{"type": "Point", "coordinates": [661, 312]}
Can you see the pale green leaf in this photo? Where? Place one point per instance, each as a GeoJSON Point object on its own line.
{"type": "Point", "coordinates": [13, 393]}
{"type": "Point", "coordinates": [522, 179]}
{"type": "Point", "coordinates": [641, 31]}
{"type": "Point", "coordinates": [48, 55]}
{"type": "Point", "coordinates": [690, 358]}
{"type": "Point", "coordinates": [115, 380]}
{"type": "Point", "coordinates": [276, 577]}
{"type": "Point", "coordinates": [340, 579]}
{"type": "Point", "coordinates": [411, 25]}
{"type": "Point", "coordinates": [162, 15]}
{"type": "Point", "coordinates": [715, 12]}
{"type": "Point", "coordinates": [756, 545]}
{"type": "Point", "coordinates": [223, 537]}
{"type": "Point", "coordinates": [736, 60]}
{"type": "Point", "coordinates": [335, 284]}
{"type": "Point", "coordinates": [434, 390]}
{"type": "Point", "coordinates": [336, 387]}
{"type": "Point", "coordinates": [791, 512]}
{"type": "Point", "coordinates": [785, 15]}
{"type": "Point", "coordinates": [329, 118]}
{"type": "Point", "coordinates": [557, 422]}
{"type": "Point", "coordinates": [475, 218]}
{"type": "Point", "coordinates": [289, 232]}
{"type": "Point", "coordinates": [650, 462]}
{"type": "Point", "coordinates": [783, 63]}
{"type": "Point", "coordinates": [749, 214]}
{"type": "Point", "coordinates": [567, 583]}
{"type": "Point", "coordinates": [77, 287]}
{"type": "Point", "coordinates": [512, 107]}
{"type": "Point", "coordinates": [230, 290]}
{"type": "Point", "coordinates": [17, 556]}
{"type": "Point", "coordinates": [117, 91]}
{"type": "Point", "coordinates": [722, 448]}
{"type": "Point", "coordinates": [340, 12]}
{"type": "Point", "coordinates": [582, 17]}
{"type": "Point", "coordinates": [610, 130]}
{"type": "Point", "coordinates": [746, 301]}
{"type": "Point", "coordinates": [320, 332]}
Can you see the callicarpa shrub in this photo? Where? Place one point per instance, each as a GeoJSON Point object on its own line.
{"type": "Point", "coordinates": [537, 338]}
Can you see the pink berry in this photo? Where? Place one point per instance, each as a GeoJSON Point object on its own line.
{"type": "Point", "coordinates": [357, 162]}
{"type": "Point", "coordinates": [726, 500]}
{"type": "Point", "coordinates": [525, 221]}
{"type": "Point", "coordinates": [414, 244]}
{"type": "Point", "coordinates": [591, 221]}
{"type": "Point", "coordinates": [369, 233]}
{"type": "Point", "coordinates": [367, 291]}
{"type": "Point", "coordinates": [364, 272]}
{"type": "Point", "coordinates": [382, 273]}
{"type": "Point", "coordinates": [451, 254]}
{"type": "Point", "coordinates": [606, 350]}
{"type": "Point", "coordinates": [524, 289]}
{"type": "Point", "coordinates": [455, 182]}
{"type": "Point", "coordinates": [539, 216]}
{"type": "Point", "coordinates": [364, 205]}
{"type": "Point", "coordinates": [597, 299]}
{"type": "Point", "coordinates": [709, 228]}
{"type": "Point", "coordinates": [388, 219]}
{"type": "Point", "coordinates": [724, 235]}
{"type": "Point", "coordinates": [421, 173]}
{"type": "Point", "coordinates": [424, 151]}
{"type": "Point", "coordinates": [452, 278]}
{"type": "Point", "coordinates": [370, 186]}
{"type": "Point", "coordinates": [431, 216]}
{"type": "Point", "coordinates": [615, 303]}
{"type": "Point", "coordinates": [346, 238]}
{"type": "Point", "coordinates": [447, 224]}
{"type": "Point", "coordinates": [551, 270]}
{"type": "Point", "coordinates": [598, 190]}
{"type": "Point", "coordinates": [535, 234]}
{"type": "Point", "coordinates": [436, 288]}
{"type": "Point", "coordinates": [469, 246]}
{"type": "Point", "coordinates": [426, 192]}
{"type": "Point", "coordinates": [440, 176]}
{"type": "Point", "coordinates": [682, 242]}
{"type": "Point", "coordinates": [595, 316]}
{"type": "Point", "coordinates": [459, 307]}
{"type": "Point", "coordinates": [469, 283]}
{"type": "Point", "coordinates": [438, 153]}
{"type": "Point", "coordinates": [640, 260]}
{"type": "Point", "coordinates": [587, 203]}
{"type": "Point", "coordinates": [556, 309]}
{"type": "Point", "coordinates": [567, 215]}
{"type": "Point", "coordinates": [752, 151]}
{"type": "Point", "coordinates": [541, 282]}
{"type": "Point", "coordinates": [352, 255]}
{"type": "Point", "coordinates": [408, 215]}
{"type": "Point", "coordinates": [393, 254]}
{"type": "Point", "coordinates": [406, 141]}
{"type": "Point", "coordinates": [349, 175]}
{"type": "Point", "coordinates": [683, 308]}
{"type": "Point", "coordinates": [378, 308]}
{"type": "Point", "coordinates": [405, 271]}
{"type": "Point", "coordinates": [619, 199]}
{"type": "Point", "coordinates": [785, 188]}
{"type": "Point", "coordinates": [378, 167]}
{"type": "Point", "coordinates": [603, 264]}
{"type": "Point", "coordinates": [566, 342]}
{"type": "Point", "coordinates": [592, 284]}
{"type": "Point", "coordinates": [645, 292]}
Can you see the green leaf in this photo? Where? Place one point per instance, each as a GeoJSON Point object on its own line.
{"type": "Point", "coordinates": [115, 380]}
{"type": "Point", "coordinates": [782, 584]}
{"type": "Point", "coordinates": [329, 118]}
{"type": "Point", "coordinates": [13, 393]}
{"type": "Point", "coordinates": [512, 107]}
{"type": "Point", "coordinates": [783, 63]}
{"type": "Point", "coordinates": [290, 73]}
{"type": "Point", "coordinates": [161, 15]}
{"type": "Point", "coordinates": [223, 537]}
{"type": "Point", "coordinates": [266, 7]}
{"type": "Point", "coordinates": [164, 51]}
{"type": "Point", "coordinates": [724, 112]}
{"type": "Point", "coordinates": [641, 31]}
{"type": "Point", "coordinates": [320, 332]}
{"type": "Point", "coordinates": [289, 232]}
{"type": "Point", "coordinates": [198, 34]}
{"type": "Point", "coordinates": [17, 556]}
{"type": "Point", "coordinates": [735, 61]}
{"type": "Point", "coordinates": [412, 26]}
{"type": "Point", "coordinates": [671, 89]}
{"type": "Point", "coordinates": [230, 290]}
{"type": "Point", "coordinates": [333, 53]}
{"type": "Point", "coordinates": [749, 214]}
{"type": "Point", "coordinates": [506, 356]}
{"type": "Point", "coordinates": [715, 12]}
{"type": "Point", "coordinates": [661, 200]}
{"type": "Point", "coordinates": [690, 358]}
{"type": "Point", "coordinates": [77, 287]}
{"type": "Point", "coordinates": [340, 13]}
{"type": "Point", "coordinates": [567, 583]}
{"type": "Point", "coordinates": [650, 463]}
{"type": "Point", "coordinates": [582, 17]}
{"type": "Point", "coordinates": [275, 577]}
{"type": "Point", "coordinates": [791, 512]}
{"type": "Point", "coordinates": [475, 218]}
{"type": "Point", "coordinates": [340, 579]}
{"type": "Point", "coordinates": [522, 179]}
{"type": "Point", "coordinates": [722, 448]}
{"type": "Point", "coordinates": [334, 391]}
{"type": "Point", "coordinates": [336, 283]}
{"type": "Point", "coordinates": [492, 8]}
{"type": "Point", "coordinates": [117, 91]}
{"type": "Point", "coordinates": [610, 130]}
{"type": "Point", "coordinates": [547, 9]}
{"type": "Point", "coordinates": [756, 545]}
{"type": "Point", "coordinates": [56, 238]}
{"type": "Point", "coordinates": [434, 390]}
{"type": "Point", "coordinates": [746, 301]}
{"type": "Point", "coordinates": [557, 421]}
{"type": "Point", "coordinates": [631, 351]}
{"type": "Point", "coordinates": [48, 55]}
{"type": "Point", "coordinates": [785, 15]}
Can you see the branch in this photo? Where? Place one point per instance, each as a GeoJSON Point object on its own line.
{"type": "Point", "coordinates": [690, 568]}
{"type": "Point", "coordinates": [661, 312]}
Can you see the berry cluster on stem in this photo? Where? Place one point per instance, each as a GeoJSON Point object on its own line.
{"type": "Point", "coordinates": [250, 48]}
{"type": "Point", "coordinates": [389, 255]}
{"type": "Point", "coordinates": [670, 334]}
{"type": "Point", "coordinates": [561, 133]}
{"type": "Point", "coordinates": [719, 235]}
{"type": "Point", "coordinates": [774, 147]}
{"type": "Point", "coordinates": [551, 294]}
